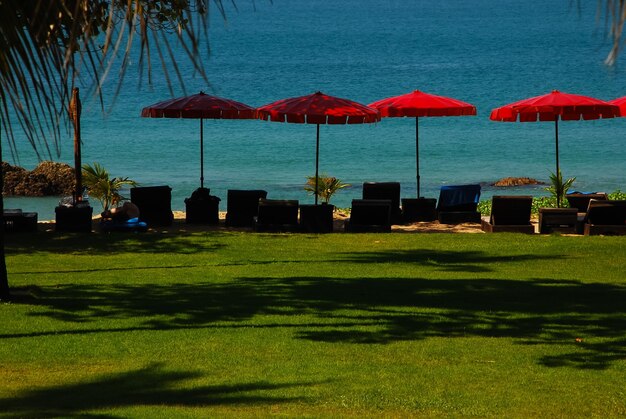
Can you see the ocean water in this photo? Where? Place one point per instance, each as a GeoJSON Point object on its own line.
{"type": "Point", "coordinates": [484, 52]}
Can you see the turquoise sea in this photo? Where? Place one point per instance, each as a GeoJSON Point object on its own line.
{"type": "Point", "coordinates": [485, 52]}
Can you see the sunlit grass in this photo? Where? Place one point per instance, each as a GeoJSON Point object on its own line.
{"type": "Point", "coordinates": [242, 324]}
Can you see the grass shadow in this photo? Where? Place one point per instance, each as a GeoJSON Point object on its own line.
{"type": "Point", "coordinates": [590, 319]}
{"type": "Point", "coordinates": [446, 260]}
{"type": "Point", "coordinates": [150, 386]}
{"type": "Point", "coordinates": [114, 243]}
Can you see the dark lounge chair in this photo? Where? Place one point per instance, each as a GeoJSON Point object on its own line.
{"type": "Point", "coordinates": [580, 201]}
{"type": "Point", "coordinates": [155, 204]}
{"type": "Point", "coordinates": [558, 220]}
{"type": "Point", "coordinates": [509, 214]}
{"type": "Point", "coordinates": [74, 219]}
{"type": "Point", "coordinates": [605, 217]}
{"type": "Point", "coordinates": [202, 207]}
{"type": "Point", "coordinates": [277, 215]}
{"type": "Point", "coordinates": [369, 215]}
{"type": "Point", "coordinates": [316, 218]}
{"type": "Point", "coordinates": [458, 203]}
{"type": "Point", "coordinates": [242, 206]}
{"type": "Point", "coordinates": [385, 190]}
{"type": "Point", "coordinates": [17, 221]}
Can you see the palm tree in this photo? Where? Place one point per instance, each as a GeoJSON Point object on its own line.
{"type": "Point", "coordinates": [102, 187]}
{"type": "Point", "coordinates": [47, 46]}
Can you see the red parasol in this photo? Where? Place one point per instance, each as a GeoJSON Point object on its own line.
{"type": "Point", "coordinates": [200, 106]}
{"type": "Point", "coordinates": [553, 106]}
{"type": "Point", "coordinates": [318, 108]}
{"type": "Point", "coordinates": [416, 104]}
{"type": "Point", "coordinates": [621, 102]}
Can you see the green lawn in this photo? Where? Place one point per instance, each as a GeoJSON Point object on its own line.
{"type": "Point", "coordinates": [248, 325]}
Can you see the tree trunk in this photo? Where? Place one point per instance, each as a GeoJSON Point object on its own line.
{"type": "Point", "coordinates": [5, 293]}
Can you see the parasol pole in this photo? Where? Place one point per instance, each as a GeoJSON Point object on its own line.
{"type": "Point", "coordinates": [556, 133]}
{"type": "Point", "coordinates": [317, 162]}
{"type": "Point", "coordinates": [417, 155]}
{"type": "Point", "coordinates": [201, 153]}
{"type": "Point", "coordinates": [75, 111]}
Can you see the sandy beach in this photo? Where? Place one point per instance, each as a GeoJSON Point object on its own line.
{"type": "Point", "coordinates": [180, 226]}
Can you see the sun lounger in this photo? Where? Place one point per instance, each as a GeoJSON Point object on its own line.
{"type": "Point", "coordinates": [74, 219]}
{"type": "Point", "coordinates": [202, 207]}
{"type": "Point", "coordinates": [155, 204]}
{"type": "Point", "coordinates": [458, 203]}
{"type": "Point", "coordinates": [385, 190]}
{"type": "Point", "coordinates": [316, 218]}
{"type": "Point", "coordinates": [419, 209]}
{"type": "Point", "coordinates": [277, 215]}
{"type": "Point", "coordinates": [242, 206]}
{"type": "Point", "coordinates": [369, 215]}
{"type": "Point", "coordinates": [580, 200]}
{"type": "Point", "coordinates": [605, 217]}
{"type": "Point", "coordinates": [558, 220]}
{"type": "Point", "coordinates": [17, 221]}
{"type": "Point", "coordinates": [509, 214]}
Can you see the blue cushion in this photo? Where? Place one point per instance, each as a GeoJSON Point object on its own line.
{"type": "Point", "coordinates": [132, 224]}
{"type": "Point", "coordinates": [458, 195]}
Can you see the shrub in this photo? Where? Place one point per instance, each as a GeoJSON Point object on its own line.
{"type": "Point", "coordinates": [559, 187]}
{"type": "Point", "coordinates": [103, 188]}
{"type": "Point", "coordinates": [327, 186]}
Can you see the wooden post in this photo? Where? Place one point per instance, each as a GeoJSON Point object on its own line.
{"type": "Point", "coordinates": [75, 110]}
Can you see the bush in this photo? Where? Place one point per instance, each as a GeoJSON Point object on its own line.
{"type": "Point", "coordinates": [484, 207]}
{"type": "Point", "coordinates": [327, 186]}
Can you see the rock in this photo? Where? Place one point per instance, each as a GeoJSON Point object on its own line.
{"type": "Point", "coordinates": [13, 175]}
{"type": "Point", "coordinates": [60, 177]}
{"type": "Point", "coordinates": [48, 178]}
{"type": "Point", "coordinates": [517, 181]}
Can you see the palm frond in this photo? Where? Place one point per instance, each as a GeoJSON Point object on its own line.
{"type": "Point", "coordinates": [615, 17]}
{"type": "Point", "coordinates": [49, 46]}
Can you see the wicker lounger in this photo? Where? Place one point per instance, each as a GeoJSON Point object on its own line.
{"type": "Point", "coordinates": [277, 215]}
{"type": "Point", "coordinates": [458, 204]}
{"type": "Point", "coordinates": [580, 201]}
{"type": "Point", "coordinates": [509, 214]}
{"type": "Point", "coordinates": [369, 215]}
{"type": "Point", "coordinates": [155, 204]}
{"type": "Point", "coordinates": [605, 217]}
{"type": "Point", "coordinates": [385, 190]}
{"type": "Point", "coordinates": [242, 206]}
{"type": "Point", "coordinates": [17, 221]}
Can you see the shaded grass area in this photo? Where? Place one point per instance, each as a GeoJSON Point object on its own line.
{"type": "Point", "coordinates": [236, 324]}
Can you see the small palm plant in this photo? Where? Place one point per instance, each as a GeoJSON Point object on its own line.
{"type": "Point", "coordinates": [327, 186]}
{"type": "Point", "coordinates": [559, 187]}
{"type": "Point", "coordinates": [102, 187]}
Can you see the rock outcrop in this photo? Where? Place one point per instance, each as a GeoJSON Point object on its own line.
{"type": "Point", "coordinates": [517, 181]}
{"type": "Point", "coordinates": [47, 179]}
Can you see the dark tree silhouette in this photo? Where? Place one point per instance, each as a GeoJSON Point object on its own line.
{"type": "Point", "coordinates": [49, 46]}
